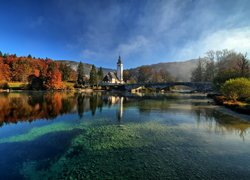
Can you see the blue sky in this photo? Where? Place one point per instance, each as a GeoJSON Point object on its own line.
{"type": "Point", "coordinates": [141, 31]}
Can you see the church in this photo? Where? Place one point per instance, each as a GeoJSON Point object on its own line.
{"type": "Point", "coordinates": [115, 77]}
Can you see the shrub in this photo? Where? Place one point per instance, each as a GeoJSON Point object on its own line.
{"type": "Point", "coordinates": [4, 85]}
{"type": "Point", "coordinates": [235, 89]}
{"type": "Point", "coordinates": [248, 100]}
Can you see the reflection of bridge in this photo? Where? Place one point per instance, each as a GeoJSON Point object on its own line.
{"type": "Point", "coordinates": [196, 86]}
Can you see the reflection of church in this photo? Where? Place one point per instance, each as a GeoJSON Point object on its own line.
{"type": "Point", "coordinates": [117, 100]}
{"type": "Point", "coordinates": [115, 77]}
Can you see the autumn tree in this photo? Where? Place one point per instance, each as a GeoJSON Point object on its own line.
{"type": "Point", "coordinates": [20, 70]}
{"type": "Point", "coordinates": [23, 69]}
{"type": "Point", "coordinates": [53, 77]}
{"type": "Point", "coordinates": [129, 77]}
{"type": "Point", "coordinates": [144, 74]}
{"type": "Point", "coordinates": [230, 66]}
{"type": "Point", "coordinates": [220, 66]}
{"type": "Point", "coordinates": [165, 76]}
{"type": "Point", "coordinates": [209, 66]}
{"type": "Point", "coordinates": [243, 65]}
{"type": "Point", "coordinates": [4, 71]}
{"type": "Point", "coordinates": [126, 75]}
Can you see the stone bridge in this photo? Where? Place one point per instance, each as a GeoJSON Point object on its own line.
{"type": "Point", "coordinates": [196, 86]}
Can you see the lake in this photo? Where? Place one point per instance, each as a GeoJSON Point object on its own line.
{"type": "Point", "coordinates": [115, 136]}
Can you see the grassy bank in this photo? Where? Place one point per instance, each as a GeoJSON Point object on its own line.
{"type": "Point", "coordinates": [24, 85]}
{"type": "Point", "coordinates": [237, 106]}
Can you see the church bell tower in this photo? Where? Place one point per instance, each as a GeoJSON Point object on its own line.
{"type": "Point", "coordinates": [120, 69]}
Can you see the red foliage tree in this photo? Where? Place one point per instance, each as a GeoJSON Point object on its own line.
{"type": "Point", "coordinates": [4, 71]}
{"type": "Point", "coordinates": [13, 68]}
{"type": "Point", "coordinates": [53, 77]}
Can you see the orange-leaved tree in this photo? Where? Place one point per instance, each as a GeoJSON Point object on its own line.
{"type": "Point", "coordinates": [4, 71]}
{"type": "Point", "coordinates": [53, 77]}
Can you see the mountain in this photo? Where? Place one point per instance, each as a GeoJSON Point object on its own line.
{"type": "Point", "coordinates": [86, 66]}
{"type": "Point", "coordinates": [180, 71]}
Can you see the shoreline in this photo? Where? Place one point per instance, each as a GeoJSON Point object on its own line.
{"type": "Point", "coordinates": [235, 114]}
{"type": "Point", "coordinates": [236, 107]}
{"type": "Point", "coordinates": [217, 106]}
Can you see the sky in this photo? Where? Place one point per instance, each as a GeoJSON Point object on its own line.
{"type": "Point", "coordinates": [140, 31]}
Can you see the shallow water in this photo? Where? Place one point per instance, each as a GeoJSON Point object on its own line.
{"type": "Point", "coordinates": [107, 136]}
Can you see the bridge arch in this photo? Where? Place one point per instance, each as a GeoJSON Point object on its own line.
{"type": "Point", "coordinates": [196, 86]}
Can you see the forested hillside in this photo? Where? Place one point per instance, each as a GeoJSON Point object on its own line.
{"type": "Point", "coordinates": [161, 72]}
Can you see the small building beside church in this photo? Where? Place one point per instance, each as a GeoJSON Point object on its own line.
{"type": "Point", "coordinates": [115, 77]}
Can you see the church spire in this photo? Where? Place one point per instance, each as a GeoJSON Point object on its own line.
{"type": "Point", "coordinates": [119, 60]}
{"type": "Point", "coordinates": [120, 70]}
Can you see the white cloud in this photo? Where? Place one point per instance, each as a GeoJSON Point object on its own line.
{"type": "Point", "coordinates": [161, 30]}
{"type": "Point", "coordinates": [237, 39]}
{"type": "Point", "coordinates": [88, 54]}
{"type": "Point", "coordinates": [136, 45]}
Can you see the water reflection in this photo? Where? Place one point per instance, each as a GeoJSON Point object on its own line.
{"type": "Point", "coordinates": [94, 102]}
{"type": "Point", "coordinates": [19, 107]}
{"type": "Point", "coordinates": [218, 122]}
{"type": "Point", "coordinates": [15, 107]}
{"type": "Point", "coordinates": [120, 108]}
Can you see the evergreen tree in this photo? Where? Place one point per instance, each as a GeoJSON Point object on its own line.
{"type": "Point", "coordinates": [65, 70]}
{"type": "Point", "coordinates": [1, 54]}
{"type": "Point", "coordinates": [197, 74]}
{"type": "Point", "coordinates": [100, 74]}
{"type": "Point", "coordinates": [80, 74]}
{"type": "Point", "coordinates": [93, 76]}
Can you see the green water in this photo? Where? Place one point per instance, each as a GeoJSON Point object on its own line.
{"type": "Point", "coordinates": [107, 136]}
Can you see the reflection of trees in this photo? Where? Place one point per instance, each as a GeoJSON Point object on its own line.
{"type": "Point", "coordinates": [220, 122]}
{"type": "Point", "coordinates": [53, 104]}
{"type": "Point", "coordinates": [80, 106]}
{"type": "Point", "coordinates": [89, 102]}
{"type": "Point", "coordinates": [93, 104]}
{"type": "Point", "coordinates": [28, 107]}
{"type": "Point", "coordinates": [100, 103]}
{"type": "Point", "coordinates": [153, 105]}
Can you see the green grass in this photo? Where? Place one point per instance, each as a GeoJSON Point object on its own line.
{"type": "Point", "coordinates": [22, 85]}
{"type": "Point", "coordinates": [68, 85]}
{"type": "Point", "coordinates": [17, 85]}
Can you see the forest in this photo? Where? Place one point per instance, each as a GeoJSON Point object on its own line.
{"type": "Point", "coordinates": [230, 73]}
{"type": "Point", "coordinates": [37, 72]}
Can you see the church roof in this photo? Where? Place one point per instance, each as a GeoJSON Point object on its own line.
{"type": "Point", "coordinates": [110, 76]}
